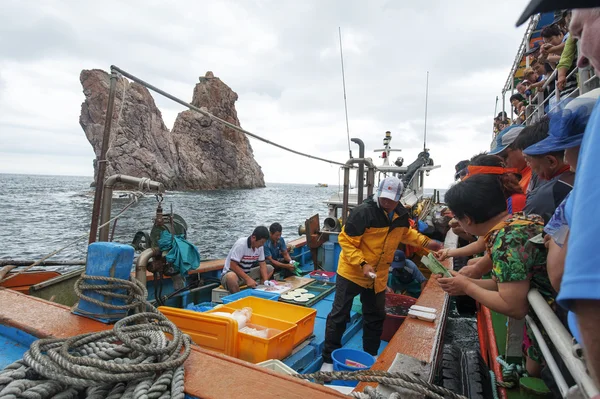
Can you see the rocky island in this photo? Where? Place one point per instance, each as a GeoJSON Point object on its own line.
{"type": "Point", "coordinates": [197, 154]}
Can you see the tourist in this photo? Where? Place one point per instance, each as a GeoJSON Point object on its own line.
{"type": "Point", "coordinates": [515, 202]}
{"type": "Point", "coordinates": [555, 180]}
{"type": "Point", "coordinates": [579, 287]}
{"type": "Point", "coordinates": [506, 149]}
{"type": "Point", "coordinates": [368, 241]}
{"type": "Point", "coordinates": [276, 252]}
{"type": "Point", "coordinates": [245, 262]}
{"type": "Point", "coordinates": [405, 277]}
{"type": "Point", "coordinates": [518, 264]}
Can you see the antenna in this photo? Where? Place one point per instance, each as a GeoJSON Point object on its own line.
{"type": "Point", "coordinates": [426, 99]}
{"type": "Point", "coordinates": [344, 85]}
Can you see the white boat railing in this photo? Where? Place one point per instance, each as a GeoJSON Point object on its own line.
{"type": "Point", "coordinates": [563, 343]}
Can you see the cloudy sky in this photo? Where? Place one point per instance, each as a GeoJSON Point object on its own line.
{"type": "Point", "coordinates": [281, 57]}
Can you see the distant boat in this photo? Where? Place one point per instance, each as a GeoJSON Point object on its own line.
{"type": "Point", "coordinates": [322, 185]}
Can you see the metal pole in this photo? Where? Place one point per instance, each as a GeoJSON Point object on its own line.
{"type": "Point", "coordinates": [346, 194]}
{"type": "Point", "coordinates": [101, 160]}
{"type": "Point", "coordinates": [344, 84]}
{"type": "Point", "coordinates": [495, 109]}
{"type": "Point", "coordinates": [561, 339]}
{"type": "Point", "coordinates": [426, 98]}
{"type": "Point", "coordinates": [360, 176]}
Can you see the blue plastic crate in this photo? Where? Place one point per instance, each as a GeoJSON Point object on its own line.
{"type": "Point", "coordinates": [202, 307]}
{"type": "Point", "coordinates": [250, 292]}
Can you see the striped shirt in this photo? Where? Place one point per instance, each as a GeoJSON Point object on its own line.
{"type": "Point", "coordinates": [243, 254]}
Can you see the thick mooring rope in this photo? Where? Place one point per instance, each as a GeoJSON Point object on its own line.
{"type": "Point", "coordinates": [133, 360]}
{"type": "Point", "coordinates": [391, 379]}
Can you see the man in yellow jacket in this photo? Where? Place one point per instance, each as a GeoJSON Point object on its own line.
{"type": "Point", "coordinates": [368, 240]}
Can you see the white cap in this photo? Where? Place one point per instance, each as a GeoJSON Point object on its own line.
{"type": "Point", "coordinates": [391, 188]}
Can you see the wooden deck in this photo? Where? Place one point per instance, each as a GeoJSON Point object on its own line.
{"type": "Point", "coordinates": [208, 375]}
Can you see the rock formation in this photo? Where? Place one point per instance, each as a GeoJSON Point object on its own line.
{"type": "Point", "coordinates": [198, 153]}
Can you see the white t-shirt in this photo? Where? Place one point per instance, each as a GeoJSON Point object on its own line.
{"type": "Point", "coordinates": [244, 255]}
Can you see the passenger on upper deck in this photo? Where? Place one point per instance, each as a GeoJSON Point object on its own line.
{"type": "Point", "coordinates": [555, 180]}
{"type": "Point", "coordinates": [276, 252]}
{"type": "Point", "coordinates": [368, 241]}
{"type": "Point", "coordinates": [245, 262]}
{"type": "Point", "coordinates": [518, 264]}
{"type": "Point", "coordinates": [581, 279]}
{"type": "Point", "coordinates": [505, 148]}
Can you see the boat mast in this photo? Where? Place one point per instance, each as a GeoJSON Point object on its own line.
{"type": "Point", "coordinates": [426, 99]}
{"type": "Point", "coordinates": [344, 86]}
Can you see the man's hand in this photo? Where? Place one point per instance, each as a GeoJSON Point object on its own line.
{"type": "Point", "coordinates": [455, 285]}
{"type": "Point", "coordinates": [367, 269]}
{"type": "Point", "coordinates": [560, 82]}
{"type": "Point", "coordinates": [250, 283]}
{"type": "Point", "coordinates": [453, 223]}
{"type": "Point", "coordinates": [435, 245]}
{"type": "Point", "coordinates": [547, 239]}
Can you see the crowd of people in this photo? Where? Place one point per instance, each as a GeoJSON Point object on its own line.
{"type": "Point", "coordinates": [527, 207]}
{"type": "Point", "coordinates": [555, 51]}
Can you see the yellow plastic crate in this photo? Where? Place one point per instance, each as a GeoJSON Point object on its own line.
{"type": "Point", "coordinates": [255, 349]}
{"type": "Point", "coordinates": [303, 317]}
{"type": "Point", "coordinates": [216, 333]}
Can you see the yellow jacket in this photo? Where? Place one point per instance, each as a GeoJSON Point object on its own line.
{"type": "Point", "coordinates": [369, 236]}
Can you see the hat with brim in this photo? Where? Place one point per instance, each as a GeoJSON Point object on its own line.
{"type": "Point", "coordinates": [539, 6]}
{"type": "Point", "coordinates": [553, 144]}
{"type": "Point", "coordinates": [505, 138]}
{"type": "Point", "coordinates": [390, 188]}
{"type": "Point", "coordinates": [534, 49]}
{"type": "Point", "coordinates": [399, 259]}
{"type": "Point", "coordinates": [559, 15]}
{"type": "Point", "coordinates": [567, 127]}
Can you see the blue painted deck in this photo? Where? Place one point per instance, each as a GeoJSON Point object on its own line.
{"type": "Point", "coordinates": [13, 344]}
{"type": "Point", "coordinates": [308, 359]}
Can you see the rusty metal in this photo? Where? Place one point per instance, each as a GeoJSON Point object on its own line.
{"type": "Point", "coordinates": [101, 160]}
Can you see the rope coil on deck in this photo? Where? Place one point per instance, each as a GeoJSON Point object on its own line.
{"type": "Point", "coordinates": [133, 360]}
{"type": "Point", "coordinates": [391, 379]}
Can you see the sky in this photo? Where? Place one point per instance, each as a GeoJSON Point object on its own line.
{"type": "Point", "coordinates": [282, 58]}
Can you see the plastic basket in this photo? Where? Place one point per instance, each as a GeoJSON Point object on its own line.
{"type": "Point", "coordinates": [251, 292]}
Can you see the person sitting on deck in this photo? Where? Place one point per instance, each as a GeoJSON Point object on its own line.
{"type": "Point", "coordinates": [518, 263]}
{"type": "Point", "coordinates": [276, 252]}
{"type": "Point", "coordinates": [245, 262]}
{"type": "Point", "coordinates": [368, 240]}
{"type": "Point", "coordinates": [405, 277]}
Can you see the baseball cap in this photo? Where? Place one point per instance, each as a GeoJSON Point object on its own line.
{"type": "Point", "coordinates": [539, 6]}
{"type": "Point", "coordinates": [399, 259]}
{"type": "Point", "coordinates": [566, 127]}
{"type": "Point", "coordinates": [391, 188]}
{"type": "Point", "coordinates": [536, 47]}
{"type": "Point", "coordinates": [505, 138]}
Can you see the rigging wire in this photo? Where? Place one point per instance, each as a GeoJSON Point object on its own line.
{"type": "Point", "coordinates": [215, 118]}
{"type": "Point", "coordinates": [344, 85]}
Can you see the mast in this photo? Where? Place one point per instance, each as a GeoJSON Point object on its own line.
{"type": "Point", "coordinates": [344, 85]}
{"type": "Point", "coordinates": [426, 99]}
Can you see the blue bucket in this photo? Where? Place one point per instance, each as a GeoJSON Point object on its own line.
{"type": "Point", "coordinates": [339, 357]}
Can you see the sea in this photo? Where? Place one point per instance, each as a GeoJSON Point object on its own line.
{"type": "Point", "coordinates": [41, 214]}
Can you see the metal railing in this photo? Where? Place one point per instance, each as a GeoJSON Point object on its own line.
{"type": "Point", "coordinates": [563, 343]}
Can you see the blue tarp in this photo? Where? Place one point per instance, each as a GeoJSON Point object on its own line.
{"type": "Point", "coordinates": [183, 255]}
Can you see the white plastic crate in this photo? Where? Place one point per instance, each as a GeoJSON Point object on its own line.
{"type": "Point", "coordinates": [277, 366]}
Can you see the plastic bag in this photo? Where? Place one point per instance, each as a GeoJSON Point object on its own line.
{"type": "Point", "coordinates": [242, 316]}
{"type": "Point", "coordinates": [259, 331]}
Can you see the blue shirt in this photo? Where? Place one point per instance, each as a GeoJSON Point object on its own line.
{"type": "Point", "coordinates": [581, 278]}
{"type": "Point", "coordinates": [411, 268]}
{"type": "Point", "coordinates": [275, 249]}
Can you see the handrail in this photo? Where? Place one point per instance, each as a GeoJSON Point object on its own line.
{"type": "Point", "coordinates": [522, 48]}
{"type": "Point", "coordinates": [562, 341]}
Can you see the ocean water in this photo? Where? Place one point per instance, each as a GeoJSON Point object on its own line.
{"type": "Point", "coordinates": [42, 213]}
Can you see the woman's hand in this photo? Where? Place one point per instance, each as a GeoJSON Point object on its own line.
{"type": "Point", "coordinates": [455, 285]}
{"type": "Point", "coordinates": [443, 254]}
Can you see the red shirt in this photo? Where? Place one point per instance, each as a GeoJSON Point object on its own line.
{"type": "Point", "coordinates": [516, 203]}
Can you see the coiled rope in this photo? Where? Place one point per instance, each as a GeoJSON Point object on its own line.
{"type": "Point", "coordinates": [134, 360]}
{"type": "Point", "coordinates": [392, 379]}
{"type": "Point", "coordinates": [510, 373]}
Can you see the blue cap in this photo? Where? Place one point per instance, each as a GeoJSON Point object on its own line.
{"type": "Point", "coordinates": [505, 138]}
{"type": "Point", "coordinates": [399, 259]}
{"type": "Point", "coordinates": [567, 126]}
